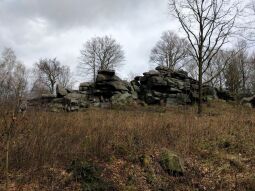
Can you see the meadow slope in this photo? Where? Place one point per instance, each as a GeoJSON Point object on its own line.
{"type": "Point", "coordinates": [103, 149]}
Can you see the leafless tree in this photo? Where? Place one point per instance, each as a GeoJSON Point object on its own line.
{"type": "Point", "coordinates": [20, 80]}
{"type": "Point", "coordinates": [170, 51]}
{"type": "Point", "coordinates": [38, 89]}
{"type": "Point", "coordinates": [13, 76]}
{"type": "Point", "coordinates": [101, 53]}
{"type": "Point", "coordinates": [48, 72]}
{"type": "Point", "coordinates": [13, 86]}
{"type": "Point", "coordinates": [252, 75]}
{"type": "Point", "coordinates": [65, 78]}
{"type": "Point", "coordinates": [208, 25]}
{"type": "Point", "coordinates": [243, 63]}
{"type": "Point", "coordinates": [7, 65]}
{"type": "Point", "coordinates": [215, 73]}
{"type": "Point", "coordinates": [233, 76]}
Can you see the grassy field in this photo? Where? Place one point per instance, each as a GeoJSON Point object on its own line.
{"type": "Point", "coordinates": [119, 149]}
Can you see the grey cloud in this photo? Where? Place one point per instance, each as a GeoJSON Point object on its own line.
{"type": "Point", "coordinates": [69, 13]}
{"type": "Point", "coordinates": [58, 28]}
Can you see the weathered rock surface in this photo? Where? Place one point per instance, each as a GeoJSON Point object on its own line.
{"type": "Point", "coordinates": [171, 163]}
{"type": "Point", "coordinates": [224, 95]}
{"type": "Point", "coordinates": [85, 86]}
{"type": "Point", "coordinates": [164, 85]}
{"type": "Point", "coordinates": [61, 91]}
{"type": "Point", "coordinates": [160, 86]}
{"type": "Point", "coordinates": [249, 101]}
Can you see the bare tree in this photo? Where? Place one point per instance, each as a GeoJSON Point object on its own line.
{"type": "Point", "coordinates": [38, 88]}
{"type": "Point", "coordinates": [65, 78]}
{"type": "Point", "coordinates": [207, 24]}
{"type": "Point", "coordinates": [243, 64]}
{"type": "Point", "coordinates": [252, 75]}
{"type": "Point", "coordinates": [7, 65]}
{"type": "Point", "coordinates": [13, 85]}
{"type": "Point", "coordinates": [48, 72]}
{"type": "Point", "coordinates": [170, 51]}
{"type": "Point", "coordinates": [233, 76]}
{"type": "Point", "coordinates": [101, 53]}
{"type": "Point", "coordinates": [13, 76]}
{"type": "Point", "coordinates": [20, 80]}
{"type": "Point", "coordinates": [215, 73]}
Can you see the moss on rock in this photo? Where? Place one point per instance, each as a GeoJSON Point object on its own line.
{"type": "Point", "coordinates": [171, 163]}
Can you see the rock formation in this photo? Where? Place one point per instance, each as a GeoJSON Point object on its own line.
{"type": "Point", "coordinates": [164, 85]}
{"type": "Point", "coordinates": [161, 86]}
{"type": "Point", "coordinates": [248, 101]}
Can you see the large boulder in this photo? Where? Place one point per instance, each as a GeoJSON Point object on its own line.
{"type": "Point", "coordinates": [171, 163]}
{"type": "Point", "coordinates": [209, 93]}
{"type": "Point", "coordinates": [102, 78]}
{"type": "Point", "coordinates": [118, 85]}
{"type": "Point", "coordinates": [180, 74]}
{"type": "Point", "coordinates": [225, 95]}
{"type": "Point", "coordinates": [45, 98]}
{"type": "Point", "coordinates": [85, 86]}
{"type": "Point", "coordinates": [61, 91]}
{"type": "Point", "coordinates": [137, 78]}
{"type": "Point", "coordinates": [121, 99]}
{"type": "Point", "coordinates": [249, 101]}
{"type": "Point", "coordinates": [178, 99]}
{"type": "Point", "coordinates": [155, 81]}
{"type": "Point", "coordinates": [163, 69]}
{"type": "Point", "coordinates": [135, 85]}
{"type": "Point", "coordinates": [108, 84]}
{"type": "Point", "coordinates": [74, 98]}
{"type": "Point", "coordinates": [48, 96]}
{"type": "Point", "coordinates": [75, 102]}
{"type": "Point", "coordinates": [56, 107]}
{"type": "Point", "coordinates": [113, 86]}
{"type": "Point", "coordinates": [107, 72]}
{"type": "Point", "coordinates": [151, 99]}
{"type": "Point", "coordinates": [180, 84]}
{"type": "Point", "coordinates": [151, 73]}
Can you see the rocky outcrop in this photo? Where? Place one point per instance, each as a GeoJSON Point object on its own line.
{"type": "Point", "coordinates": [108, 84]}
{"type": "Point", "coordinates": [164, 85]}
{"type": "Point", "coordinates": [161, 86]}
{"type": "Point", "coordinates": [108, 89]}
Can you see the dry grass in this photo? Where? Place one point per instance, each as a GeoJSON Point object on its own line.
{"type": "Point", "coordinates": [218, 149]}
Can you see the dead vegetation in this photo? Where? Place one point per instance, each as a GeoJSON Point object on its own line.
{"type": "Point", "coordinates": [120, 149]}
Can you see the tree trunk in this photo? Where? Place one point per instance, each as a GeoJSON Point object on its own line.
{"type": "Point", "coordinates": [7, 162]}
{"type": "Point", "coordinates": [94, 73]}
{"type": "Point", "coordinates": [244, 84]}
{"type": "Point", "coordinates": [200, 88]}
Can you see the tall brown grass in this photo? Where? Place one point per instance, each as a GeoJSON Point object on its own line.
{"type": "Point", "coordinates": [55, 139]}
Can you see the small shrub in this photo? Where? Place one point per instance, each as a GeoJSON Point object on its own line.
{"type": "Point", "coordinates": [89, 176]}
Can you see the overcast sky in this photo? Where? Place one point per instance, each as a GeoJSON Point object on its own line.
{"type": "Point", "coordinates": [58, 28]}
